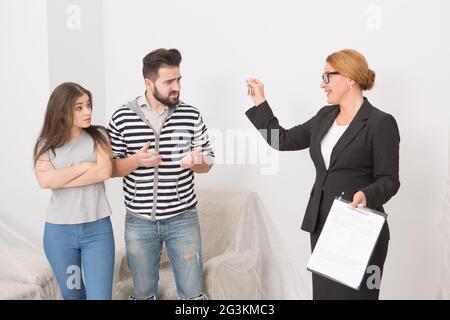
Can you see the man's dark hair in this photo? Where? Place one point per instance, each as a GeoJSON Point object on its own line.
{"type": "Point", "coordinates": [158, 58]}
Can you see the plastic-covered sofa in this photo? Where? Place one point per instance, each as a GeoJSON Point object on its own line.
{"type": "Point", "coordinates": [24, 270]}
{"type": "Point", "coordinates": [243, 255]}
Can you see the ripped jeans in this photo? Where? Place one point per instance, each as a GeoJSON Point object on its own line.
{"type": "Point", "coordinates": [144, 240]}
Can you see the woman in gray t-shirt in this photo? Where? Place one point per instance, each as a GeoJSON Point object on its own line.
{"type": "Point", "coordinates": [73, 159]}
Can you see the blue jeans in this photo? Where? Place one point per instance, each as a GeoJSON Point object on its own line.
{"type": "Point", "coordinates": [144, 240]}
{"type": "Point", "coordinates": [82, 258]}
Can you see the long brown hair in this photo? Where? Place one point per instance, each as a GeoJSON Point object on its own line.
{"type": "Point", "coordinates": [58, 120]}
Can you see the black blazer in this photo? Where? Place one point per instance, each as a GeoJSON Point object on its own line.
{"type": "Point", "coordinates": [365, 158]}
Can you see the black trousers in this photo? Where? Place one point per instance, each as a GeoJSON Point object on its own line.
{"type": "Point", "coordinates": [326, 289]}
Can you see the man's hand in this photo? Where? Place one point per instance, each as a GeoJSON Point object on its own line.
{"type": "Point", "coordinates": [147, 158]}
{"type": "Point", "coordinates": [192, 158]}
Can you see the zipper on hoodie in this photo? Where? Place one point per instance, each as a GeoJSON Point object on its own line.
{"type": "Point", "coordinates": [155, 175]}
{"type": "Point", "coordinates": [155, 168]}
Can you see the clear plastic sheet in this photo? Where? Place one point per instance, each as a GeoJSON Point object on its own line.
{"type": "Point", "coordinates": [24, 270]}
{"type": "Point", "coordinates": [243, 255]}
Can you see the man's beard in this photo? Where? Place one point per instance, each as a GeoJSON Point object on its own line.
{"type": "Point", "coordinates": [167, 101]}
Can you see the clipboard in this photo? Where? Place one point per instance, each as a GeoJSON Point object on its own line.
{"type": "Point", "coordinates": [346, 243]}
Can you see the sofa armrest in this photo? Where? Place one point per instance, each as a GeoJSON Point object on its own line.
{"type": "Point", "coordinates": [233, 275]}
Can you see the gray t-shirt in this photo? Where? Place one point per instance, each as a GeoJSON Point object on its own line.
{"type": "Point", "coordinates": [77, 204]}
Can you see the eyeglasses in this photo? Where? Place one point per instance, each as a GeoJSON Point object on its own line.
{"type": "Point", "coordinates": [326, 76]}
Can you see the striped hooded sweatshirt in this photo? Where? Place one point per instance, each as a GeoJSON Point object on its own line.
{"type": "Point", "coordinates": [165, 190]}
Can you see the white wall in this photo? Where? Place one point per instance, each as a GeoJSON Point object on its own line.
{"type": "Point", "coordinates": [284, 44]}
{"type": "Point", "coordinates": [24, 94]}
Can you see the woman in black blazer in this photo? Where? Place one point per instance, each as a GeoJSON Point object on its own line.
{"type": "Point", "coordinates": [355, 150]}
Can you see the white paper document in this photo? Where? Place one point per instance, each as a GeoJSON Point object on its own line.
{"type": "Point", "coordinates": [346, 243]}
